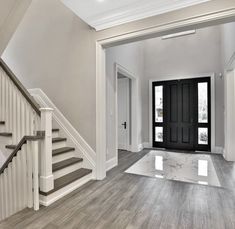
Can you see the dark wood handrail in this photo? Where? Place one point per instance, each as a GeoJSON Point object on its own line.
{"type": "Point", "coordinates": [40, 135]}
{"type": "Point", "coordinates": [20, 86]}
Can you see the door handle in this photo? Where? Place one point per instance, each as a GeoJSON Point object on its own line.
{"type": "Point", "coordinates": [124, 124]}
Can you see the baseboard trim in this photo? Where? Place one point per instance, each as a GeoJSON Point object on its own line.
{"type": "Point", "coordinates": [147, 145]}
{"type": "Point", "coordinates": [48, 200]}
{"type": "Point", "coordinates": [110, 164]}
{"type": "Point", "coordinates": [218, 150]}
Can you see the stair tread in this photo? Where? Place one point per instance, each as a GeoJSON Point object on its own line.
{"type": "Point", "coordinates": [10, 146]}
{"type": "Point", "coordinates": [55, 129]}
{"type": "Point", "coordinates": [66, 163]}
{"type": "Point", "coordinates": [62, 150]}
{"type": "Point", "coordinates": [5, 134]}
{"type": "Point", "coordinates": [67, 179]}
{"type": "Point", "coordinates": [54, 140]}
{"type": "Point", "coordinates": [2, 122]}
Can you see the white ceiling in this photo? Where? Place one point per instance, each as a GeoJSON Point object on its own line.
{"type": "Point", "coordinates": [103, 14]}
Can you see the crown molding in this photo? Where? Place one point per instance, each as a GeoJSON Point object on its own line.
{"type": "Point", "coordinates": [136, 12]}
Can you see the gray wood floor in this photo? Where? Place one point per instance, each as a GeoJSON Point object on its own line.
{"type": "Point", "coordinates": [130, 201]}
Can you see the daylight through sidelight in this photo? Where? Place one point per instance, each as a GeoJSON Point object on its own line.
{"type": "Point", "coordinates": [203, 112]}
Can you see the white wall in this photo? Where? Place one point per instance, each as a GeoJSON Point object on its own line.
{"type": "Point", "coordinates": [11, 13]}
{"type": "Point", "coordinates": [228, 60]}
{"type": "Point", "coordinates": [184, 56]}
{"type": "Point", "coordinates": [130, 57]}
{"type": "Point", "coordinates": [228, 42]}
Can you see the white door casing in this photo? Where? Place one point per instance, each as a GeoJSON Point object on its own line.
{"type": "Point", "coordinates": [123, 113]}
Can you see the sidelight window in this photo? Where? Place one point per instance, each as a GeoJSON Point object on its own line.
{"type": "Point", "coordinates": [203, 136]}
{"type": "Point", "coordinates": [159, 104]}
{"type": "Point", "coordinates": [159, 134]}
{"type": "Point", "coordinates": [203, 102]}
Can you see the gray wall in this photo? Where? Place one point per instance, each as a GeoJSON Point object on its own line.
{"type": "Point", "coordinates": [228, 42]}
{"type": "Point", "coordinates": [54, 50]}
{"type": "Point", "coordinates": [185, 56]}
{"type": "Point", "coordinates": [11, 13]}
{"type": "Point", "coordinates": [130, 57]}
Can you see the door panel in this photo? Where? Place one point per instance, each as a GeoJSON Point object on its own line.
{"type": "Point", "coordinates": [185, 102]}
{"type": "Point", "coordinates": [179, 116]}
{"type": "Point", "coordinates": [123, 113]}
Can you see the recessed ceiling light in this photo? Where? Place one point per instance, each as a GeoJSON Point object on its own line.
{"type": "Point", "coordinates": [100, 0]}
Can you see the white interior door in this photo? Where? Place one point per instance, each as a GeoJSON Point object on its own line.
{"type": "Point", "coordinates": [123, 113]}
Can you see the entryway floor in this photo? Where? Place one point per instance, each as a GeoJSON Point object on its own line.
{"type": "Point", "coordinates": [128, 201]}
{"type": "Point", "coordinates": [193, 168]}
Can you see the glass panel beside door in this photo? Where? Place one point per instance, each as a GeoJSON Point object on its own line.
{"type": "Point", "coordinates": [204, 114]}
{"type": "Point", "coordinates": [158, 114]}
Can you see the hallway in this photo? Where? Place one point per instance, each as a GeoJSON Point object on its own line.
{"type": "Point", "coordinates": [130, 201]}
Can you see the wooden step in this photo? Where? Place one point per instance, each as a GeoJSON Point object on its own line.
{"type": "Point", "coordinates": [62, 150]}
{"type": "Point", "coordinates": [66, 163]}
{"type": "Point", "coordinates": [2, 123]}
{"type": "Point", "coordinates": [10, 146]}
{"type": "Point", "coordinates": [67, 179]}
{"type": "Point", "coordinates": [55, 130]}
{"type": "Point", "coordinates": [6, 134]}
{"type": "Point", "coordinates": [54, 140]}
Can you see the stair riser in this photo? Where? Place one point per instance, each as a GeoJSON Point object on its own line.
{"type": "Point", "coordinates": [48, 200]}
{"type": "Point", "coordinates": [2, 128]}
{"type": "Point", "coordinates": [67, 170]}
{"type": "Point", "coordinates": [58, 145]}
{"type": "Point", "coordinates": [62, 157]}
{"type": "Point", "coordinates": [5, 140]}
{"type": "Point", "coordinates": [55, 134]}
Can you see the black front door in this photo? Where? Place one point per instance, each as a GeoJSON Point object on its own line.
{"type": "Point", "coordinates": [181, 114]}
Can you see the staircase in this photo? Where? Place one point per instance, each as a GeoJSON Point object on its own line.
{"type": "Point", "coordinates": [68, 170]}
{"type": "Point", "coordinates": [47, 163]}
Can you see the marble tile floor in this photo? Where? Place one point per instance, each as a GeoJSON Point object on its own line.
{"type": "Point", "coordinates": [185, 167]}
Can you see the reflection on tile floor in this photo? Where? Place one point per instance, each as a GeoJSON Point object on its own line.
{"type": "Point", "coordinates": [186, 167]}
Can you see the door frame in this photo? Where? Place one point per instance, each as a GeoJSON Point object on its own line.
{"type": "Point", "coordinates": [203, 20]}
{"type": "Point", "coordinates": [212, 96]}
{"type": "Point", "coordinates": [133, 132]}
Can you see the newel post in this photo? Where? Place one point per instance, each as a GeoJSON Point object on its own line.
{"type": "Point", "coordinates": [46, 175]}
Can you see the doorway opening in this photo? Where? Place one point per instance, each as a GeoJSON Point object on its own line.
{"type": "Point", "coordinates": [102, 46]}
{"type": "Point", "coordinates": [182, 114]}
{"type": "Point", "coordinates": [124, 112]}
{"type": "Point", "coordinates": [121, 122]}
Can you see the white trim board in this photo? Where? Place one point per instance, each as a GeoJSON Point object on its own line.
{"type": "Point", "coordinates": [72, 134]}
{"type": "Point", "coordinates": [166, 78]}
{"type": "Point", "coordinates": [202, 20]}
{"type": "Point", "coordinates": [110, 164]}
{"type": "Point", "coordinates": [102, 16]}
{"type": "Point", "coordinates": [137, 11]}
